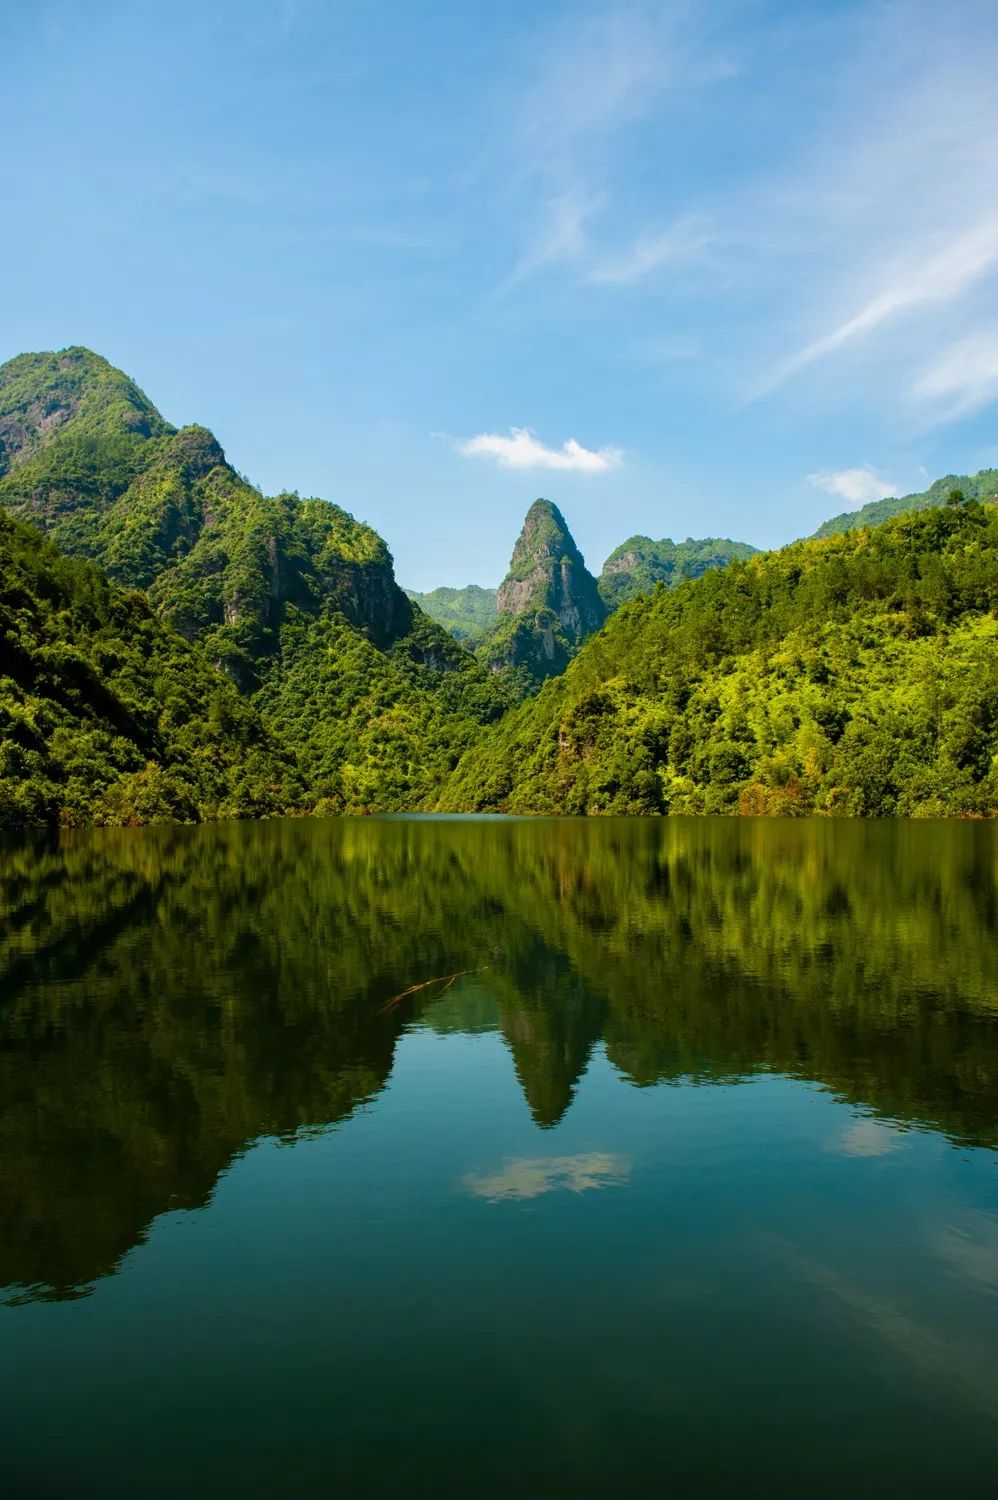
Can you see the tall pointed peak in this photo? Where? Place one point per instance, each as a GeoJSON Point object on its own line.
{"type": "Point", "coordinates": [543, 535]}
{"type": "Point", "coordinates": [548, 602]}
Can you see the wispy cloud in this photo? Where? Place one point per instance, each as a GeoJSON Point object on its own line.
{"type": "Point", "coordinates": [522, 449]}
{"type": "Point", "coordinates": [590, 75]}
{"type": "Point", "coordinates": [585, 82]}
{"type": "Point", "coordinates": [680, 244]}
{"type": "Point", "coordinates": [962, 378]}
{"type": "Point", "coordinates": [561, 236]}
{"type": "Point", "coordinates": [940, 277]}
{"type": "Point", "coordinates": [857, 486]}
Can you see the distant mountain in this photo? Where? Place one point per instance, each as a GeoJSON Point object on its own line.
{"type": "Point", "coordinates": [547, 604]}
{"type": "Point", "coordinates": [980, 486]}
{"type": "Point", "coordinates": [294, 600]}
{"type": "Point", "coordinates": [639, 564]}
{"type": "Point", "coordinates": [468, 614]}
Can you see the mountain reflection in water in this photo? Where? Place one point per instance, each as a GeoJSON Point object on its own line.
{"type": "Point", "coordinates": [170, 995]}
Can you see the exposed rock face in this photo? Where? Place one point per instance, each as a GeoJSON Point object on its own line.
{"type": "Point", "coordinates": [548, 602]}
{"type": "Point", "coordinates": [547, 571]}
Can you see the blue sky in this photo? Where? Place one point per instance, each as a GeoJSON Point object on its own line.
{"type": "Point", "coordinates": [687, 269]}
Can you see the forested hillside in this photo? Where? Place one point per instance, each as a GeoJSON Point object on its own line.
{"type": "Point", "coordinates": [980, 486]}
{"type": "Point", "coordinates": [854, 675]}
{"type": "Point", "coordinates": [108, 716]}
{"type": "Point", "coordinates": [244, 655]}
{"type": "Point", "coordinates": [292, 600]}
{"type": "Point", "coordinates": [638, 564]}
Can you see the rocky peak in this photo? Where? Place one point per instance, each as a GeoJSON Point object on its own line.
{"type": "Point", "coordinates": [547, 604]}
{"type": "Point", "coordinates": [547, 571]}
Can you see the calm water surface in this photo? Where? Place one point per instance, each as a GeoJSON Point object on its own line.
{"type": "Point", "coordinates": [686, 1183]}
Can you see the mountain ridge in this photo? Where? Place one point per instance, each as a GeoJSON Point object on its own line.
{"type": "Point", "coordinates": [639, 563]}
{"type": "Point", "coordinates": [467, 613]}
{"type": "Point", "coordinates": [980, 486]}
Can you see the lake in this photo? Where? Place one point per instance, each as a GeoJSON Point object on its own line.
{"type": "Point", "coordinates": [423, 1156]}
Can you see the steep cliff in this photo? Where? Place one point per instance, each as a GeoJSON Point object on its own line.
{"type": "Point", "coordinates": [548, 603]}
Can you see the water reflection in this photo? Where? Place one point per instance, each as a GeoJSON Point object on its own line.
{"type": "Point", "coordinates": [171, 995]}
{"type": "Point", "coordinates": [526, 1177]}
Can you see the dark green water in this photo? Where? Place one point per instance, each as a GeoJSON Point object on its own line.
{"type": "Point", "coordinates": [690, 1187]}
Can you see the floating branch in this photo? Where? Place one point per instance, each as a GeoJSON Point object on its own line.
{"type": "Point", "coordinates": [445, 979]}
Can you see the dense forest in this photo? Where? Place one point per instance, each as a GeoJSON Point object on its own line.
{"type": "Point", "coordinates": [178, 646]}
{"type": "Point", "coordinates": [286, 607]}
{"type": "Point", "coordinates": [108, 715]}
{"type": "Point", "coordinates": [638, 564]}
{"type": "Point", "coordinates": [854, 675]}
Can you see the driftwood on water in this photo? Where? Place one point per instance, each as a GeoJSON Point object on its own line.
{"type": "Point", "coordinates": [445, 979]}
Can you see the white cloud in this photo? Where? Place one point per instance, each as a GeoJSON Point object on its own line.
{"type": "Point", "coordinates": [522, 449]}
{"type": "Point", "coordinates": [593, 75]}
{"type": "Point", "coordinates": [680, 244]}
{"type": "Point", "coordinates": [963, 378]}
{"type": "Point", "coordinates": [858, 486]}
{"type": "Point", "coordinates": [941, 277]}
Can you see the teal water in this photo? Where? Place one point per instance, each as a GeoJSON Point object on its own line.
{"type": "Point", "coordinates": [372, 1158]}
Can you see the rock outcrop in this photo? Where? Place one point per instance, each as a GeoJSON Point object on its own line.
{"type": "Point", "coordinates": [548, 603]}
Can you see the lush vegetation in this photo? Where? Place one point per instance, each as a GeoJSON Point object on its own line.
{"type": "Point", "coordinates": [291, 600]}
{"type": "Point", "coordinates": [467, 614]}
{"type": "Point", "coordinates": [980, 486]}
{"type": "Point", "coordinates": [376, 730]}
{"type": "Point", "coordinates": [109, 716]}
{"type": "Point", "coordinates": [854, 675]}
{"type": "Point", "coordinates": [253, 654]}
{"type": "Point", "coordinates": [638, 564]}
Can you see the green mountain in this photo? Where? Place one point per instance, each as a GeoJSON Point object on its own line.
{"type": "Point", "coordinates": [294, 600]}
{"type": "Point", "coordinates": [980, 486]}
{"type": "Point", "coordinates": [547, 604]}
{"type": "Point", "coordinates": [109, 716]}
{"type": "Point", "coordinates": [241, 655]}
{"type": "Point", "coordinates": [162, 510]}
{"type": "Point", "coordinates": [467, 614]}
{"type": "Point", "coordinates": [857, 675]}
{"type": "Point", "coordinates": [639, 564]}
